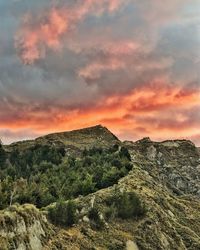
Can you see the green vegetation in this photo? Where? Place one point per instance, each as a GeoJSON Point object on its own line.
{"type": "Point", "coordinates": [95, 219]}
{"type": "Point", "coordinates": [43, 174]}
{"type": "Point", "coordinates": [63, 213]}
{"type": "Point", "coordinates": [124, 205]}
{"type": "Point", "coordinates": [2, 156]}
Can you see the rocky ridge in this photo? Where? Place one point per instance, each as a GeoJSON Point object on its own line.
{"type": "Point", "coordinates": [165, 176]}
{"type": "Point", "coordinates": [175, 164]}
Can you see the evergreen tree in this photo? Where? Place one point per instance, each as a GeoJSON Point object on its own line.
{"type": "Point", "coordinates": [2, 156]}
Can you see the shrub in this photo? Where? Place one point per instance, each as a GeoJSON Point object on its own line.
{"type": "Point", "coordinates": [63, 214]}
{"type": "Point", "coordinates": [124, 153]}
{"type": "Point", "coordinates": [88, 186]}
{"type": "Point", "coordinates": [2, 156]}
{"type": "Point", "coordinates": [116, 163]}
{"type": "Point", "coordinates": [110, 177]}
{"type": "Point", "coordinates": [110, 212]}
{"type": "Point", "coordinates": [96, 220]}
{"type": "Point", "coordinates": [93, 214]}
{"type": "Point", "coordinates": [51, 176]}
{"type": "Point", "coordinates": [125, 205]}
{"type": "Point", "coordinates": [114, 148]}
{"type": "Point", "coordinates": [128, 166]}
{"type": "Point", "coordinates": [129, 205]}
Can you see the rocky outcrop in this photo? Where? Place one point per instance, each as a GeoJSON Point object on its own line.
{"type": "Point", "coordinates": [170, 222]}
{"type": "Point", "coordinates": [175, 164]}
{"type": "Point", "coordinates": [166, 177]}
{"type": "Point", "coordinates": [23, 227]}
{"type": "Point", "coordinates": [73, 141]}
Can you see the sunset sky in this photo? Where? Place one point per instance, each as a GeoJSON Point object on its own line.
{"type": "Point", "coordinates": [130, 65]}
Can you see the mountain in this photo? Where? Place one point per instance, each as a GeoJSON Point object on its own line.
{"type": "Point", "coordinates": [147, 198]}
{"type": "Point", "coordinates": [73, 140]}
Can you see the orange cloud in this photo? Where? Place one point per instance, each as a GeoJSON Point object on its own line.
{"type": "Point", "coordinates": [93, 70]}
{"type": "Point", "coordinates": [45, 30]}
{"type": "Point", "coordinates": [162, 112]}
{"type": "Point", "coordinates": [33, 42]}
{"type": "Point", "coordinates": [112, 59]}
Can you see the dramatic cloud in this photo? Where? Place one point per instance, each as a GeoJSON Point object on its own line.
{"type": "Point", "coordinates": [45, 30]}
{"type": "Point", "coordinates": [17, 135]}
{"type": "Point", "coordinates": [33, 41]}
{"type": "Point", "coordinates": [147, 111]}
{"type": "Point", "coordinates": [131, 65]}
{"type": "Point", "coordinates": [110, 59]}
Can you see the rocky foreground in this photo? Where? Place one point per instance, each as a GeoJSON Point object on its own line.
{"type": "Point", "coordinates": [166, 177]}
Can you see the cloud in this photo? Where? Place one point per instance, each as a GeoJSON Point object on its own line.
{"type": "Point", "coordinates": [109, 58]}
{"type": "Point", "coordinates": [7, 135]}
{"type": "Point", "coordinates": [46, 30]}
{"type": "Point", "coordinates": [195, 139]}
{"type": "Point", "coordinates": [158, 110]}
{"type": "Point", "coordinates": [32, 43]}
{"type": "Point", "coordinates": [157, 12]}
{"type": "Point", "coordinates": [131, 65]}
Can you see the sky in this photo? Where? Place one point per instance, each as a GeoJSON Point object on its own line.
{"type": "Point", "coordinates": [130, 65]}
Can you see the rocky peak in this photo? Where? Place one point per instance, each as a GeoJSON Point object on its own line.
{"type": "Point", "coordinates": [176, 163]}
{"type": "Point", "coordinates": [86, 137]}
{"type": "Point", "coordinates": [75, 140]}
{"type": "Point", "coordinates": [144, 140]}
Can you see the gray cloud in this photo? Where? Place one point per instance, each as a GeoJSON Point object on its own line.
{"type": "Point", "coordinates": [168, 39]}
{"type": "Point", "coordinates": [8, 136]}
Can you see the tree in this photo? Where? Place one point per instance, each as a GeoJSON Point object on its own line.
{"type": "Point", "coordinates": [64, 213]}
{"type": "Point", "coordinates": [51, 177]}
{"type": "Point", "coordinates": [96, 220]}
{"type": "Point", "coordinates": [129, 205]}
{"type": "Point", "coordinates": [2, 156]}
{"type": "Point", "coordinates": [16, 188]}
{"type": "Point", "coordinates": [110, 177]}
{"type": "Point", "coordinates": [88, 186]}
{"type": "Point", "coordinates": [124, 153]}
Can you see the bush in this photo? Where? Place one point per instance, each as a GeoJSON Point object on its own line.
{"type": "Point", "coordinates": [110, 212]}
{"type": "Point", "coordinates": [2, 156]}
{"type": "Point", "coordinates": [110, 177]}
{"type": "Point", "coordinates": [114, 148]}
{"type": "Point", "coordinates": [51, 177]}
{"type": "Point", "coordinates": [88, 186]}
{"type": "Point", "coordinates": [93, 214]}
{"type": "Point", "coordinates": [125, 205]}
{"type": "Point", "coordinates": [124, 153]}
{"type": "Point", "coordinates": [95, 218]}
{"type": "Point", "coordinates": [129, 205]}
{"type": "Point", "coordinates": [63, 214]}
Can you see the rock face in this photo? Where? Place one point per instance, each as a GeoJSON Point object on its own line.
{"type": "Point", "coordinates": [23, 227]}
{"type": "Point", "coordinates": [166, 177]}
{"type": "Point", "coordinates": [86, 137]}
{"type": "Point", "coordinates": [130, 245]}
{"type": "Point", "coordinates": [175, 164]}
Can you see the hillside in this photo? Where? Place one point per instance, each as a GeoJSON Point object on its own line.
{"type": "Point", "coordinates": [136, 195]}
{"type": "Point", "coordinates": [73, 140]}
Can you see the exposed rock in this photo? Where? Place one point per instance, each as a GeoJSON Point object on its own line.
{"type": "Point", "coordinates": [74, 141]}
{"type": "Point", "coordinates": [166, 177]}
{"type": "Point", "coordinates": [151, 153]}
{"type": "Point", "coordinates": [173, 163]}
{"type": "Point", "coordinates": [86, 219]}
{"type": "Point", "coordinates": [23, 227]}
{"type": "Point", "coordinates": [130, 245]}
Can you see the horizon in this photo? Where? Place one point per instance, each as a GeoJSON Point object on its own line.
{"type": "Point", "coordinates": [77, 129]}
{"type": "Point", "coordinates": [132, 66]}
